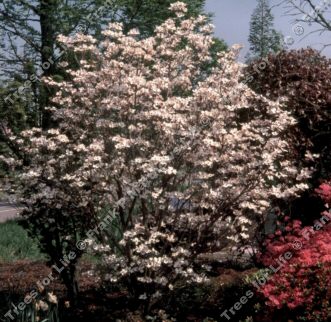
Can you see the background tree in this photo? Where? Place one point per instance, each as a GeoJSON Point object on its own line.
{"type": "Point", "coordinates": [29, 48]}
{"type": "Point", "coordinates": [147, 14]}
{"type": "Point", "coordinates": [307, 13]}
{"type": "Point", "coordinates": [263, 38]}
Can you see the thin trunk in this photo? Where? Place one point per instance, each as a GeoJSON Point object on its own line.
{"type": "Point", "coordinates": [71, 283]}
{"type": "Point", "coordinates": [47, 23]}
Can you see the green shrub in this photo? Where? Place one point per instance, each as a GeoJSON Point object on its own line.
{"type": "Point", "coordinates": [16, 245]}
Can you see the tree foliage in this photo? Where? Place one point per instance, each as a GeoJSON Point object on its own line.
{"type": "Point", "coordinates": [263, 38]}
{"type": "Point", "coordinates": [148, 14]}
{"type": "Point", "coordinates": [304, 78]}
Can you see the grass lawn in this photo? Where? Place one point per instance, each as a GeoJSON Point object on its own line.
{"type": "Point", "coordinates": [16, 245]}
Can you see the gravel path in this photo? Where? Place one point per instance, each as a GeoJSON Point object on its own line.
{"type": "Point", "coordinates": [8, 211]}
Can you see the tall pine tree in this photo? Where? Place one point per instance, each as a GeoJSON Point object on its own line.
{"type": "Point", "coordinates": [263, 38]}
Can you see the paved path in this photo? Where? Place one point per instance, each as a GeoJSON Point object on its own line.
{"type": "Point", "coordinates": [8, 211]}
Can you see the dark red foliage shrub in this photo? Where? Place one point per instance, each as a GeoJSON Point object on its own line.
{"type": "Point", "coordinates": [304, 78]}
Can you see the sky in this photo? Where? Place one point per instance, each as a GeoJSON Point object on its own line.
{"type": "Point", "coordinates": [232, 17]}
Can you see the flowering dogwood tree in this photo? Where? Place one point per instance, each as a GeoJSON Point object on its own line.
{"type": "Point", "coordinates": [141, 125]}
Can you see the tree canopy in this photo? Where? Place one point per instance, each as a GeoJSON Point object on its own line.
{"type": "Point", "coordinates": [263, 38]}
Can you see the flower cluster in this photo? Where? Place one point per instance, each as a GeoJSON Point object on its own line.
{"type": "Point", "coordinates": [324, 191]}
{"type": "Point", "coordinates": [303, 284]}
{"type": "Point", "coordinates": [156, 259]}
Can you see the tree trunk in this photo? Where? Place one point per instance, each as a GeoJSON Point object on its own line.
{"type": "Point", "coordinates": [48, 37]}
{"type": "Point", "coordinates": [71, 283]}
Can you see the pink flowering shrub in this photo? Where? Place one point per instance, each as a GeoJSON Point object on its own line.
{"type": "Point", "coordinates": [324, 191]}
{"type": "Point", "coordinates": [302, 284]}
{"type": "Point", "coordinates": [183, 158]}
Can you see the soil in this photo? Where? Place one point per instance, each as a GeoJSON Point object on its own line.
{"type": "Point", "coordinates": [95, 304]}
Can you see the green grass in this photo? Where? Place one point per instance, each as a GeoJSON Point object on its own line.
{"type": "Point", "coordinates": [16, 245]}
